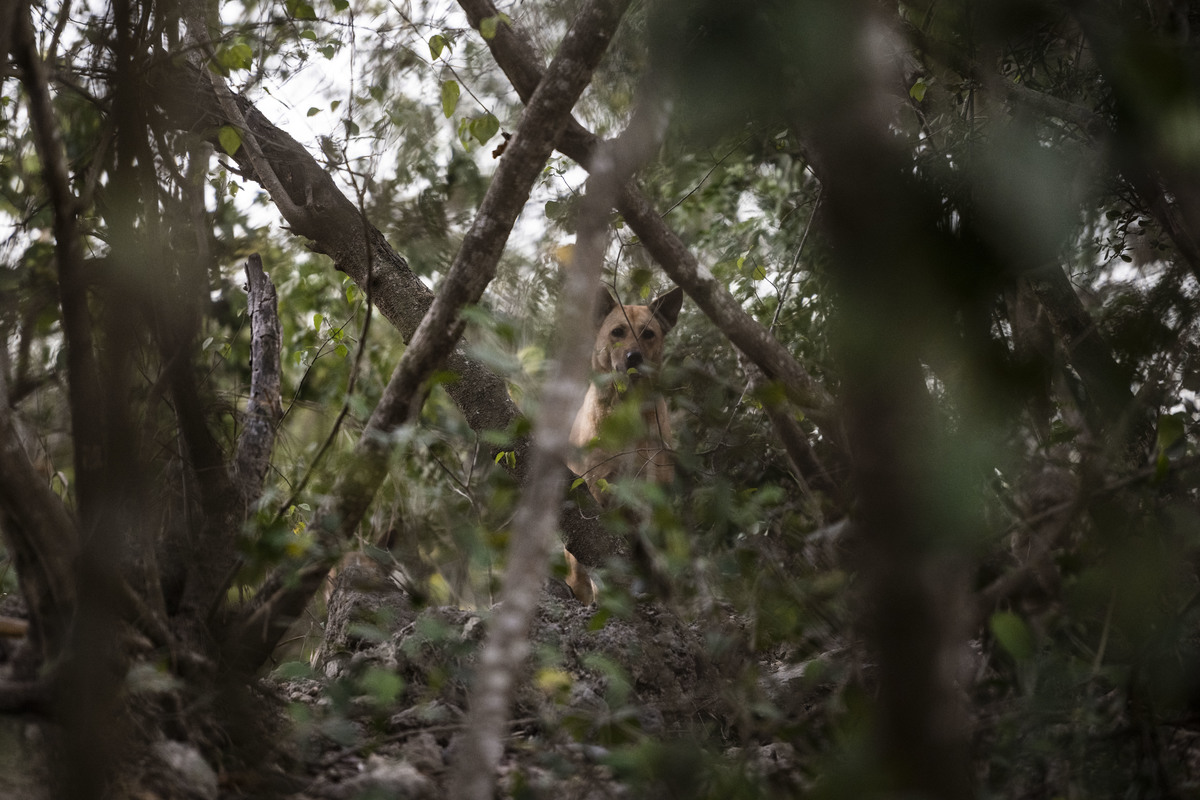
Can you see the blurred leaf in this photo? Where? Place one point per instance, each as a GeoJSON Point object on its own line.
{"type": "Point", "coordinates": [484, 128]}
{"type": "Point", "coordinates": [1011, 632]}
{"type": "Point", "coordinates": [383, 686]}
{"type": "Point", "coordinates": [489, 25]}
{"type": "Point", "coordinates": [450, 93]}
{"type": "Point", "coordinates": [230, 139]}
{"type": "Point", "coordinates": [437, 43]}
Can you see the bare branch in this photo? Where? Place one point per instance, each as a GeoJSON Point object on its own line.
{"type": "Point", "coordinates": [263, 408]}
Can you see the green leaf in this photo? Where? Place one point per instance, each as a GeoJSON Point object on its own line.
{"type": "Point", "coordinates": [750, 267]}
{"type": "Point", "coordinates": [329, 51]}
{"type": "Point", "coordinates": [489, 25]}
{"type": "Point", "coordinates": [450, 93]}
{"type": "Point", "coordinates": [317, 320]}
{"type": "Point", "coordinates": [230, 139]}
{"type": "Point", "coordinates": [917, 91]}
{"type": "Point", "coordinates": [484, 128]}
{"type": "Point", "coordinates": [235, 56]}
{"type": "Point", "coordinates": [437, 43]}
{"type": "Point", "coordinates": [382, 685]}
{"type": "Point", "coordinates": [301, 10]}
{"type": "Point", "coordinates": [342, 351]}
{"type": "Point", "coordinates": [341, 5]}
{"type": "Point", "coordinates": [599, 619]}
{"type": "Point", "coordinates": [314, 111]}
{"type": "Point", "coordinates": [1013, 634]}
{"type": "Point", "coordinates": [1170, 431]}
{"type": "Point", "coordinates": [309, 34]}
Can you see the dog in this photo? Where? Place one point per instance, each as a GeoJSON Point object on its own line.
{"type": "Point", "coordinates": [626, 359]}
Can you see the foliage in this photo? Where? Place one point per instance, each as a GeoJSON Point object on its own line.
{"type": "Point", "coordinates": [973, 224]}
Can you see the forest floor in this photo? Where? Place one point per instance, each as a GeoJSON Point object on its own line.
{"type": "Point", "coordinates": [621, 705]}
{"type": "Point", "coordinates": [611, 706]}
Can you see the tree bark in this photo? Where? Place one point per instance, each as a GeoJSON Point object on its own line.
{"type": "Point", "coordinates": [886, 241]}
{"type": "Point", "coordinates": [263, 408]}
{"type": "Point", "coordinates": [40, 534]}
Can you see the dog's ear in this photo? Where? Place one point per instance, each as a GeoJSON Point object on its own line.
{"type": "Point", "coordinates": [604, 304]}
{"type": "Point", "coordinates": [666, 307]}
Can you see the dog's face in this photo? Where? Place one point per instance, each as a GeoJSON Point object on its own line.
{"type": "Point", "coordinates": [629, 340]}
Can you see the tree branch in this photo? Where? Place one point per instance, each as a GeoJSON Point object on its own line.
{"type": "Point", "coordinates": [1108, 402]}
{"type": "Point", "coordinates": [263, 409]}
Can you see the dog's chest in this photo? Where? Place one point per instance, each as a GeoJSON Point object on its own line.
{"type": "Point", "coordinates": [642, 455]}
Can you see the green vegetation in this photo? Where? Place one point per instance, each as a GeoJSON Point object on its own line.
{"type": "Point", "coordinates": [935, 525]}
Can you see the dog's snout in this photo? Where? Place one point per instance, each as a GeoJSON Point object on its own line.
{"type": "Point", "coordinates": [633, 359]}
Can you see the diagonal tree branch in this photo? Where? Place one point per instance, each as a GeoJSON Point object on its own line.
{"type": "Point", "coordinates": [285, 595]}
{"type": "Point", "coordinates": [334, 226]}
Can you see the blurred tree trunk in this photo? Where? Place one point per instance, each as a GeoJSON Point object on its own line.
{"type": "Point", "coordinates": [883, 229]}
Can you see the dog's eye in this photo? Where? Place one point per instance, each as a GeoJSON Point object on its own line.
{"type": "Point", "coordinates": [618, 332]}
{"type": "Point", "coordinates": [647, 335]}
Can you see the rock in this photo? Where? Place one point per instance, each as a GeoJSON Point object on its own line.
{"type": "Point", "coordinates": [424, 753]}
{"type": "Point", "coordinates": [189, 767]}
{"type": "Point", "coordinates": [386, 778]}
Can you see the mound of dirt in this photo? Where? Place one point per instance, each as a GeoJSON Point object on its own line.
{"type": "Point", "coordinates": [382, 709]}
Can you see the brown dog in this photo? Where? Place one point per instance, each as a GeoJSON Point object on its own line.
{"type": "Point", "coordinates": [629, 351]}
